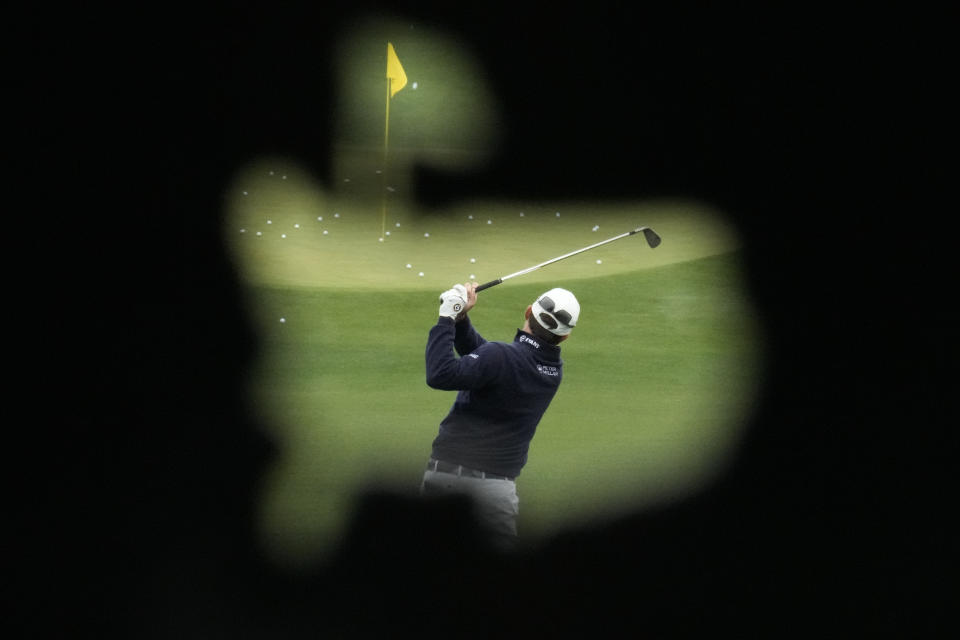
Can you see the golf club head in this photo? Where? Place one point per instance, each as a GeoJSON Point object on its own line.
{"type": "Point", "coordinates": [652, 238]}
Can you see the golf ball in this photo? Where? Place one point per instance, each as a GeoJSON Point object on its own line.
{"type": "Point", "coordinates": [489, 221]}
{"type": "Point", "coordinates": [320, 218]}
{"type": "Point", "coordinates": [296, 226]}
{"type": "Point", "coordinates": [283, 235]}
{"type": "Point", "coordinates": [269, 221]}
{"type": "Point", "coordinates": [398, 224]}
{"type": "Point", "coordinates": [282, 320]}
{"type": "Point", "coordinates": [414, 85]}
{"type": "Point", "coordinates": [409, 265]}
{"type": "Point", "coordinates": [324, 232]}
{"type": "Point", "coordinates": [336, 215]}
{"type": "Point", "coordinates": [599, 261]}
{"type": "Point", "coordinates": [259, 233]}
{"type": "Point", "coordinates": [473, 259]}
{"type": "Point", "coordinates": [244, 193]}
{"type": "Point", "coordinates": [521, 214]}
{"type": "Point", "coordinates": [420, 274]}
{"type": "Point", "coordinates": [595, 227]}
{"type": "Point", "coordinates": [388, 233]}
{"type": "Point", "coordinates": [558, 214]}
{"type": "Point", "coordinates": [426, 235]}
{"type": "Point", "coordinates": [380, 239]}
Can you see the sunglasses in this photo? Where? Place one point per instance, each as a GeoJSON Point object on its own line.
{"type": "Point", "coordinates": [563, 316]}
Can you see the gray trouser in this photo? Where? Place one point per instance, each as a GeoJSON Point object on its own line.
{"type": "Point", "coordinates": [494, 499]}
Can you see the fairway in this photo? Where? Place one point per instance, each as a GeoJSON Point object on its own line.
{"type": "Point", "coordinates": [658, 376]}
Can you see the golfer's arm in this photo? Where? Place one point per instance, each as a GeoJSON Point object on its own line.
{"type": "Point", "coordinates": [466, 339]}
{"type": "Point", "coordinates": [444, 370]}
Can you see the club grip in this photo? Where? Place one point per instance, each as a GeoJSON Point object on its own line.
{"type": "Point", "coordinates": [487, 285]}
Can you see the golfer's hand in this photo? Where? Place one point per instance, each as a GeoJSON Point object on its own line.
{"type": "Point", "coordinates": [453, 302]}
{"type": "Point", "coordinates": [471, 288]}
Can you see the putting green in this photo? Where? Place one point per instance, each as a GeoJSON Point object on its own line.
{"type": "Point", "coordinates": [658, 377]}
{"type": "Point", "coordinates": [288, 230]}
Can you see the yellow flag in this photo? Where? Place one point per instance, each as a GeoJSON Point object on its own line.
{"type": "Point", "coordinates": [398, 79]}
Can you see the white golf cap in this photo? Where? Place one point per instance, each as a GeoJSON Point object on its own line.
{"type": "Point", "coordinates": [557, 311]}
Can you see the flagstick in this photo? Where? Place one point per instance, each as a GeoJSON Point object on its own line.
{"type": "Point", "coordinates": [386, 129]}
{"type": "Point", "coordinates": [383, 181]}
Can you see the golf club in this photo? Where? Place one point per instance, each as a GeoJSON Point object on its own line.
{"type": "Point", "coordinates": [652, 239]}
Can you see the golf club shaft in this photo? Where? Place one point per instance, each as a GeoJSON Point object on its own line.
{"type": "Point", "coordinates": [652, 239]}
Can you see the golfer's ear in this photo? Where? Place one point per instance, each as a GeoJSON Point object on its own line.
{"type": "Point", "coordinates": [526, 314]}
{"type": "Point", "coordinates": [562, 338]}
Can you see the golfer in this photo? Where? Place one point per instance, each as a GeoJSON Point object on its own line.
{"type": "Point", "coordinates": [503, 391]}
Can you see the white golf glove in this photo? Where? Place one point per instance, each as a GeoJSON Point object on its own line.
{"type": "Point", "coordinates": [453, 301]}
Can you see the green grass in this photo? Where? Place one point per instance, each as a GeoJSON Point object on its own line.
{"type": "Point", "coordinates": [658, 376]}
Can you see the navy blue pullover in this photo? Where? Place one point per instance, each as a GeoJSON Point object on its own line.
{"type": "Point", "coordinates": [504, 390]}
